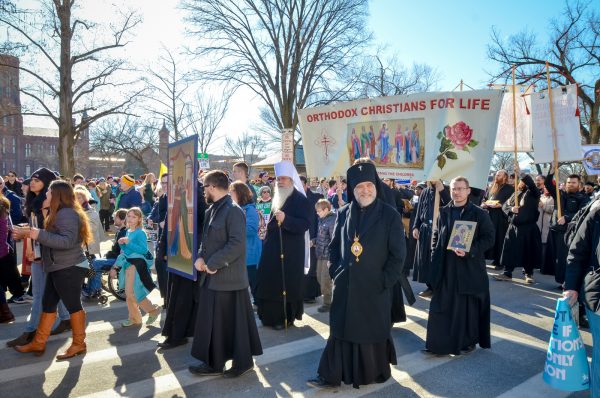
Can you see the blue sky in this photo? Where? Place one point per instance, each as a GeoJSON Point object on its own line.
{"type": "Point", "coordinates": [453, 35]}
{"type": "Point", "coordinates": [449, 35]}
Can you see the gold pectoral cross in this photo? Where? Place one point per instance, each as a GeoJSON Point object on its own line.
{"type": "Point", "coordinates": [356, 248]}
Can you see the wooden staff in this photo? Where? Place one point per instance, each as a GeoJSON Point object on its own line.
{"type": "Point", "coordinates": [514, 106]}
{"type": "Point", "coordinates": [554, 143]}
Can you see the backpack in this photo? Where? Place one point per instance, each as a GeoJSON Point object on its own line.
{"type": "Point", "coordinates": [578, 219]}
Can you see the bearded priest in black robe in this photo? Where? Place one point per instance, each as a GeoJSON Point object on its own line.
{"type": "Point", "coordinates": [290, 219]}
{"type": "Point", "coordinates": [366, 255]}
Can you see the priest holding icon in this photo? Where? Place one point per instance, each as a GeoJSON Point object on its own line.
{"type": "Point", "coordinates": [459, 314]}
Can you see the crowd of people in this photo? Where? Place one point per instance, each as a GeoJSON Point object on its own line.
{"type": "Point", "coordinates": [272, 244]}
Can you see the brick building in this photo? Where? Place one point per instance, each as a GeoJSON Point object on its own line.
{"type": "Point", "coordinates": [25, 149]}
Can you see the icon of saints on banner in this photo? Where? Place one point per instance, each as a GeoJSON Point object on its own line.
{"type": "Point", "coordinates": [397, 143]}
{"type": "Point", "coordinates": [462, 234]}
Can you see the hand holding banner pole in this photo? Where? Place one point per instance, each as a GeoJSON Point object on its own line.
{"type": "Point", "coordinates": [554, 144]}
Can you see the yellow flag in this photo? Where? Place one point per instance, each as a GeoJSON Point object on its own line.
{"type": "Point", "coordinates": [163, 170]}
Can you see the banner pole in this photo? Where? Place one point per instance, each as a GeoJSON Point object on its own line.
{"type": "Point", "coordinates": [514, 106]}
{"type": "Point", "coordinates": [554, 144]}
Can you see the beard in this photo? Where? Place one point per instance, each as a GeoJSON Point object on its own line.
{"type": "Point", "coordinates": [365, 200]}
{"type": "Point", "coordinates": [280, 196]}
{"type": "Point", "coordinates": [209, 198]}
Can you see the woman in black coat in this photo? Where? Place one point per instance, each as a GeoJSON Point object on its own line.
{"type": "Point", "coordinates": [523, 241]}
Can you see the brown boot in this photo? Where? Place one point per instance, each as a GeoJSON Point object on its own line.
{"type": "Point", "coordinates": [78, 344]}
{"type": "Point", "coordinates": [6, 315]}
{"type": "Point", "coordinates": [38, 345]}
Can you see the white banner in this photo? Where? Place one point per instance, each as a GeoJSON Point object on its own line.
{"type": "Point", "coordinates": [505, 137]}
{"type": "Point", "coordinates": [566, 124]}
{"type": "Point", "coordinates": [591, 159]}
{"type": "Point", "coordinates": [287, 145]}
{"type": "Point", "coordinates": [414, 137]}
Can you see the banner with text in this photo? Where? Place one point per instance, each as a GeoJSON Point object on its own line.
{"type": "Point", "coordinates": [414, 137]}
{"type": "Point", "coordinates": [566, 124]}
{"type": "Point", "coordinates": [505, 139]}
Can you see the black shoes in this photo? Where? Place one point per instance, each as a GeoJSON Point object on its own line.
{"type": "Point", "coordinates": [63, 326]}
{"type": "Point", "coordinates": [234, 372]}
{"type": "Point", "coordinates": [468, 350]}
{"type": "Point", "coordinates": [324, 308]}
{"type": "Point", "coordinates": [320, 382]}
{"type": "Point", "coordinates": [281, 326]}
{"type": "Point", "coordinates": [25, 338]}
{"type": "Point", "coordinates": [204, 370]}
{"type": "Point", "coordinates": [168, 344]}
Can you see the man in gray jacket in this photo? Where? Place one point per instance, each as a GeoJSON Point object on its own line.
{"type": "Point", "coordinates": [225, 326]}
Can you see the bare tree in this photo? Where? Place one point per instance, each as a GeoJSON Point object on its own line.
{"type": "Point", "coordinates": [123, 136]}
{"type": "Point", "coordinates": [205, 115]}
{"type": "Point", "coordinates": [573, 53]}
{"type": "Point", "coordinates": [167, 85]}
{"type": "Point", "coordinates": [71, 67]}
{"type": "Point", "coordinates": [248, 147]}
{"type": "Point", "coordinates": [291, 53]}
{"type": "Point", "coordinates": [384, 76]}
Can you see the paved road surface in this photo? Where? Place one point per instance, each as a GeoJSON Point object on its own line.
{"type": "Point", "coordinates": [125, 362]}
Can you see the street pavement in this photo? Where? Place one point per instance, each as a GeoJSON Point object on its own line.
{"type": "Point", "coordinates": [126, 362]}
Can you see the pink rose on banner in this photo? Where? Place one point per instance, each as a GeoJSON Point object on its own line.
{"type": "Point", "coordinates": [456, 137]}
{"type": "Point", "coordinates": [460, 134]}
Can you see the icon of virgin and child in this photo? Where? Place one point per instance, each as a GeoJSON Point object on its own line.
{"type": "Point", "coordinates": [402, 148]}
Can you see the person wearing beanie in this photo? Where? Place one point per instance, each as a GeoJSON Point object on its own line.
{"type": "Point", "coordinates": [34, 203]}
{"type": "Point", "coordinates": [129, 196]}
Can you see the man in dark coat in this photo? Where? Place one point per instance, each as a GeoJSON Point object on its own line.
{"type": "Point", "coordinates": [571, 202]}
{"type": "Point", "coordinates": [498, 194]}
{"type": "Point", "coordinates": [523, 242]}
{"type": "Point", "coordinates": [422, 229]}
{"type": "Point", "coordinates": [225, 326]}
{"type": "Point", "coordinates": [290, 220]}
{"type": "Point", "coordinates": [366, 260]}
{"type": "Point", "coordinates": [459, 314]}
{"type": "Point", "coordinates": [311, 285]}
{"type": "Point", "coordinates": [182, 292]}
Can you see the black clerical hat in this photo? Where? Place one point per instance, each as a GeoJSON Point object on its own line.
{"type": "Point", "coordinates": [362, 172]}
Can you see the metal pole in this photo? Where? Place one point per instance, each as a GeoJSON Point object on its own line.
{"type": "Point", "coordinates": [285, 320]}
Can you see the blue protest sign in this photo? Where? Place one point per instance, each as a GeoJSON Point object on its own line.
{"type": "Point", "coordinates": [566, 365]}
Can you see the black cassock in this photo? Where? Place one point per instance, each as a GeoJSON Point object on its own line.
{"type": "Point", "coordinates": [183, 292]}
{"type": "Point", "coordinates": [423, 221]}
{"type": "Point", "coordinates": [360, 348]}
{"type": "Point", "coordinates": [557, 249]}
{"type": "Point", "coordinates": [312, 289]}
{"type": "Point", "coordinates": [459, 313]}
{"type": "Point", "coordinates": [269, 286]}
{"type": "Point", "coordinates": [499, 220]}
{"type": "Point", "coordinates": [523, 240]}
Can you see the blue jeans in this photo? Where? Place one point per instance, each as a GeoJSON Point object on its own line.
{"type": "Point", "coordinates": [594, 320]}
{"type": "Point", "coordinates": [38, 278]}
{"type": "Point", "coordinates": [99, 264]}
